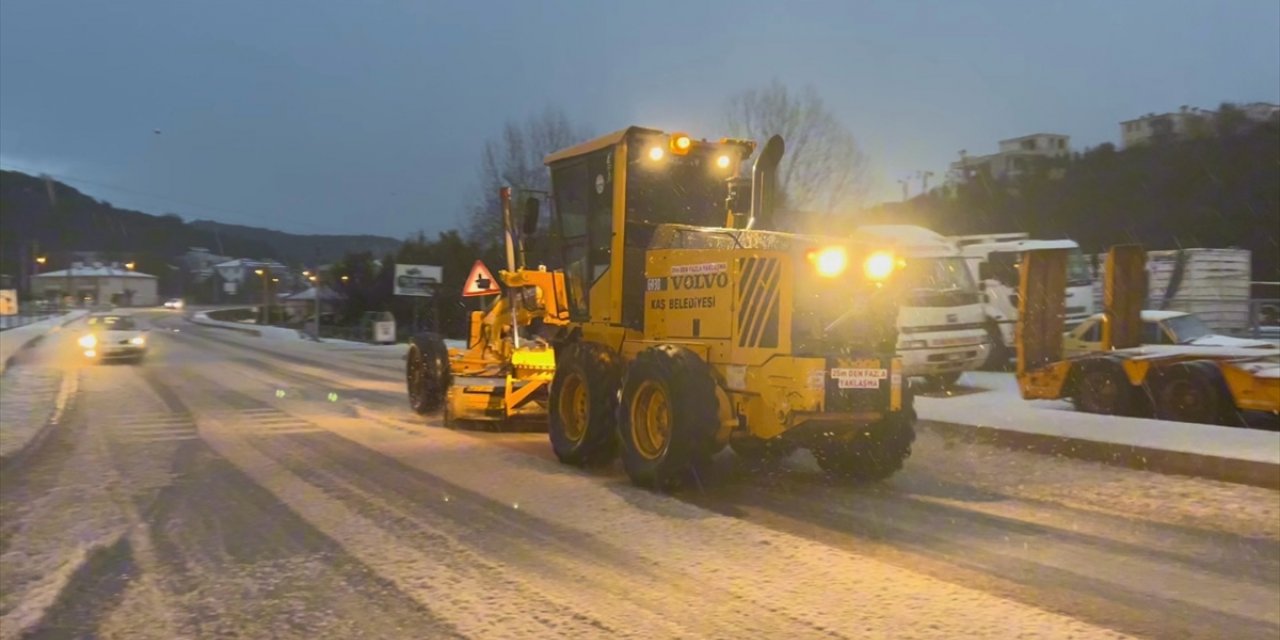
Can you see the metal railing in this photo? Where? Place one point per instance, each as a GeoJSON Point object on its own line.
{"type": "Point", "coordinates": [24, 319]}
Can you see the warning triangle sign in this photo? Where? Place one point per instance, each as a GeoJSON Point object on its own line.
{"type": "Point", "coordinates": [480, 282]}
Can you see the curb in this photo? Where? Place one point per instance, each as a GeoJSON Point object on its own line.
{"type": "Point", "coordinates": [1246, 472]}
{"type": "Point", "coordinates": [33, 340]}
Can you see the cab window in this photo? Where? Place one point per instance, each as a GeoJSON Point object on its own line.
{"type": "Point", "coordinates": [1092, 332]}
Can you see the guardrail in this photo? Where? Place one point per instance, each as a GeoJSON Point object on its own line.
{"type": "Point", "coordinates": [22, 320]}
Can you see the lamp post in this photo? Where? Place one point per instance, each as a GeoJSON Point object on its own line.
{"type": "Point", "coordinates": [315, 292]}
{"type": "Point", "coordinates": [263, 315]}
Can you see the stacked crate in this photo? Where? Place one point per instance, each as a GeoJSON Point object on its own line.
{"type": "Point", "coordinates": [1214, 285]}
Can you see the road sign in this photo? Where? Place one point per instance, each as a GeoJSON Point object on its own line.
{"type": "Point", "coordinates": [480, 282]}
{"type": "Point", "coordinates": [417, 279]}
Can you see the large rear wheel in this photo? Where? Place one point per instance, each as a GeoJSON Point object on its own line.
{"type": "Point", "coordinates": [427, 372]}
{"type": "Point", "coordinates": [871, 453]}
{"type": "Point", "coordinates": [668, 418]}
{"type": "Point", "coordinates": [584, 400]}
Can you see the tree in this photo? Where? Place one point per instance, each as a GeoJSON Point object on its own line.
{"type": "Point", "coordinates": [823, 169]}
{"type": "Point", "coordinates": [514, 159]}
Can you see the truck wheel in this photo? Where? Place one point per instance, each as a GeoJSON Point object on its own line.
{"type": "Point", "coordinates": [998, 354]}
{"type": "Point", "coordinates": [584, 400]}
{"type": "Point", "coordinates": [1194, 392]}
{"type": "Point", "coordinates": [427, 372]}
{"type": "Point", "coordinates": [668, 417]}
{"type": "Point", "coordinates": [759, 452]}
{"type": "Point", "coordinates": [873, 453]}
{"type": "Point", "coordinates": [1101, 387]}
{"type": "Point", "coordinates": [942, 381]}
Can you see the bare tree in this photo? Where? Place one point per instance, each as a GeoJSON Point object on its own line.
{"type": "Point", "coordinates": [514, 160]}
{"type": "Point", "coordinates": [823, 171]}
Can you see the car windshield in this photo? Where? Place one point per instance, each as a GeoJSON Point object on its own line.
{"type": "Point", "coordinates": [1186, 328]}
{"type": "Point", "coordinates": [112, 323]}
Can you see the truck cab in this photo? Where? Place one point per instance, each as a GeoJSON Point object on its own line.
{"type": "Point", "coordinates": [941, 325]}
{"type": "Point", "coordinates": [993, 260]}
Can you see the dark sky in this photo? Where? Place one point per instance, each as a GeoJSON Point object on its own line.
{"type": "Point", "coordinates": [368, 116]}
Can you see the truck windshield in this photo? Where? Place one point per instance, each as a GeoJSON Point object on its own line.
{"type": "Point", "coordinates": [676, 189]}
{"type": "Point", "coordinates": [938, 274]}
{"type": "Point", "coordinates": [1078, 271]}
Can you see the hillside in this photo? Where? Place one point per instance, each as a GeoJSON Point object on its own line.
{"type": "Point", "coordinates": [78, 222]}
{"type": "Point", "coordinates": [1218, 191]}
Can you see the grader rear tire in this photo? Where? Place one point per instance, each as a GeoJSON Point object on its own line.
{"type": "Point", "coordinates": [582, 421]}
{"type": "Point", "coordinates": [873, 453]}
{"type": "Point", "coordinates": [668, 417]}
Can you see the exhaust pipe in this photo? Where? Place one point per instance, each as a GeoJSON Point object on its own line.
{"type": "Point", "coordinates": [764, 183]}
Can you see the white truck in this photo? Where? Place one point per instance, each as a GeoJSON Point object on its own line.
{"type": "Point", "coordinates": [993, 260]}
{"type": "Point", "coordinates": [940, 323]}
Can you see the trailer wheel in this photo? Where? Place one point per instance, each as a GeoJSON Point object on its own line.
{"type": "Point", "coordinates": [427, 372]}
{"type": "Point", "coordinates": [584, 400]}
{"type": "Point", "coordinates": [1100, 386]}
{"type": "Point", "coordinates": [668, 417]}
{"type": "Point", "coordinates": [873, 453]}
{"type": "Point", "coordinates": [1194, 392]}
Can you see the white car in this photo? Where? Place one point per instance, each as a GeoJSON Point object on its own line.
{"type": "Point", "coordinates": [1160, 328]}
{"type": "Point", "coordinates": [174, 303]}
{"type": "Point", "coordinates": [114, 336]}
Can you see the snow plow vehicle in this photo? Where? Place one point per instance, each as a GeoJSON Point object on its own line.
{"type": "Point", "coordinates": [1186, 383]}
{"type": "Point", "coordinates": [675, 322]}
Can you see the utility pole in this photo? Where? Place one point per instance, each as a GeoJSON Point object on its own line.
{"type": "Point", "coordinates": [905, 182]}
{"type": "Point", "coordinates": [263, 315]}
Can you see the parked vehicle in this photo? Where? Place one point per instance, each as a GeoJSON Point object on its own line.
{"type": "Point", "coordinates": [941, 330]}
{"type": "Point", "coordinates": [1159, 328]}
{"type": "Point", "coordinates": [994, 259]}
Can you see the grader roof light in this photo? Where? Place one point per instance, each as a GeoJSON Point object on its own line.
{"type": "Point", "coordinates": [656, 153]}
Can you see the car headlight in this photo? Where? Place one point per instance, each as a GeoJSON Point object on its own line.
{"type": "Point", "coordinates": [879, 265]}
{"type": "Point", "coordinates": [830, 261]}
{"type": "Point", "coordinates": [138, 340]}
{"type": "Point", "coordinates": [88, 341]}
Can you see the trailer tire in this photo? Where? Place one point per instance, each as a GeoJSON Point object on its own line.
{"type": "Point", "coordinates": [1194, 392]}
{"type": "Point", "coordinates": [1100, 386]}
{"type": "Point", "coordinates": [873, 453]}
{"type": "Point", "coordinates": [668, 417]}
{"type": "Point", "coordinates": [583, 404]}
{"type": "Point", "coordinates": [427, 374]}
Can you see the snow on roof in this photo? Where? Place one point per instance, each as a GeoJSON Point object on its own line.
{"type": "Point", "coordinates": [246, 262]}
{"type": "Point", "coordinates": [310, 294]}
{"type": "Point", "coordinates": [94, 272]}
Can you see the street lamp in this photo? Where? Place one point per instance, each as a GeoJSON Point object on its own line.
{"type": "Point", "coordinates": [265, 300]}
{"type": "Point", "coordinates": [130, 265]}
{"type": "Point", "coordinates": [315, 293]}
{"type": "Point", "coordinates": [41, 260]}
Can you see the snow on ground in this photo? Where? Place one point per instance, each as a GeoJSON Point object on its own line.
{"type": "Point", "coordinates": [13, 340]}
{"type": "Point", "coordinates": [996, 402]}
{"type": "Point", "coordinates": [31, 398]}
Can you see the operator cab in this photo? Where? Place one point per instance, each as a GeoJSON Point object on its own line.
{"type": "Point", "coordinates": [633, 180]}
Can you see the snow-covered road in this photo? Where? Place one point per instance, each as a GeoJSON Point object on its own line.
{"type": "Point", "coordinates": [232, 486]}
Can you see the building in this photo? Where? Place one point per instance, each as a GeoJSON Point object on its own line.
{"type": "Point", "coordinates": [1187, 122]}
{"type": "Point", "coordinates": [1016, 157]}
{"type": "Point", "coordinates": [301, 305]}
{"type": "Point", "coordinates": [234, 273]}
{"type": "Point", "coordinates": [98, 284]}
{"type": "Point", "coordinates": [199, 263]}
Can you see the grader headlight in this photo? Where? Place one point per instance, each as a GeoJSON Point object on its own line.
{"type": "Point", "coordinates": [879, 266]}
{"type": "Point", "coordinates": [681, 143]}
{"type": "Point", "coordinates": [829, 261]}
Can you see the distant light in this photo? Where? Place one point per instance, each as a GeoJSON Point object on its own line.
{"type": "Point", "coordinates": [42, 260]}
{"type": "Point", "coordinates": [130, 265]}
{"type": "Point", "coordinates": [723, 162]}
{"type": "Point", "coordinates": [345, 278]}
{"type": "Point", "coordinates": [333, 397]}
{"type": "Point", "coordinates": [258, 271]}
{"type": "Point", "coordinates": [306, 273]}
{"type": "Point", "coordinates": [656, 153]}
{"type": "Point", "coordinates": [279, 393]}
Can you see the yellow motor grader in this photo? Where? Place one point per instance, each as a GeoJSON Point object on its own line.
{"type": "Point", "coordinates": [666, 319]}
